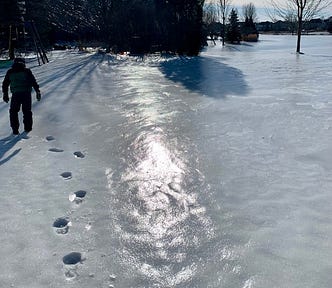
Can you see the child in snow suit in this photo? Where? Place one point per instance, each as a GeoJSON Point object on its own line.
{"type": "Point", "coordinates": [21, 80]}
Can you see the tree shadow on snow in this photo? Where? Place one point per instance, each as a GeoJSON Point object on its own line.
{"type": "Point", "coordinates": [206, 76]}
{"type": "Point", "coordinates": [6, 144]}
{"type": "Point", "coordinates": [71, 75]}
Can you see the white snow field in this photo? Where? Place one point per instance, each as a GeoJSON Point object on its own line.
{"type": "Point", "coordinates": [212, 171]}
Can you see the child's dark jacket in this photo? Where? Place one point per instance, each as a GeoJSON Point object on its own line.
{"type": "Point", "coordinates": [20, 80]}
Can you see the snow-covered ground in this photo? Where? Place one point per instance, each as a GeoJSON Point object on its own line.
{"type": "Point", "coordinates": [213, 171]}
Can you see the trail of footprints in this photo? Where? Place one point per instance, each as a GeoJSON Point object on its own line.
{"type": "Point", "coordinates": [62, 225]}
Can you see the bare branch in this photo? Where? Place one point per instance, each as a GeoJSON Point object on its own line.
{"type": "Point", "coordinates": [303, 10]}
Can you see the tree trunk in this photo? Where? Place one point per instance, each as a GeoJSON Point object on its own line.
{"type": "Point", "coordinates": [11, 44]}
{"type": "Point", "coordinates": [299, 30]}
{"type": "Point", "coordinates": [223, 29]}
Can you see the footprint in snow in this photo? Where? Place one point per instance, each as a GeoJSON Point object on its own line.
{"type": "Point", "coordinates": [49, 138]}
{"type": "Point", "coordinates": [79, 154]}
{"type": "Point", "coordinates": [73, 258]}
{"type": "Point", "coordinates": [77, 197]}
{"type": "Point", "coordinates": [71, 262]}
{"type": "Point", "coordinates": [55, 150]}
{"type": "Point", "coordinates": [61, 225]}
{"type": "Point", "coordinates": [112, 277]}
{"type": "Point", "coordinates": [66, 175]}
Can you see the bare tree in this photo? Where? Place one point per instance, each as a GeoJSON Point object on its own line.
{"type": "Point", "coordinates": [210, 17]}
{"type": "Point", "coordinates": [210, 14]}
{"type": "Point", "coordinates": [224, 8]}
{"type": "Point", "coordinates": [249, 12]}
{"type": "Point", "coordinates": [248, 29]}
{"type": "Point", "coordinates": [303, 9]}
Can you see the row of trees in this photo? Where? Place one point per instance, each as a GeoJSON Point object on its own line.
{"type": "Point", "coordinates": [313, 25]}
{"type": "Point", "coordinates": [290, 11]}
{"type": "Point", "coordinates": [222, 20]}
{"type": "Point", "coordinates": [138, 26]}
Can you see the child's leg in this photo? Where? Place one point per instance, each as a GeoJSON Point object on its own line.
{"type": "Point", "coordinates": [27, 114]}
{"type": "Point", "coordinates": [13, 113]}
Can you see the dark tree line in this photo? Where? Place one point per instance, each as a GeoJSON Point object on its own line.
{"type": "Point", "coordinates": [139, 26]}
{"type": "Point", "coordinates": [9, 12]}
{"type": "Point", "coordinates": [329, 26]}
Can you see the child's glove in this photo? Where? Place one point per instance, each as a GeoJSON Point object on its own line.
{"type": "Point", "coordinates": [38, 95]}
{"type": "Point", "coordinates": [5, 98]}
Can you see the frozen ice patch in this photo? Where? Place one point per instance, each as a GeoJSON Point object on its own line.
{"type": "Point", "coordinates": [322, 158]}
{"type": "Point", "coordinates": [153, 199]}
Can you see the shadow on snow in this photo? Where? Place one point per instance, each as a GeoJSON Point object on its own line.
{"type": "Point", "coordinates": [206, 76]}
{"type": "Point", "coordinates": [6, 144]}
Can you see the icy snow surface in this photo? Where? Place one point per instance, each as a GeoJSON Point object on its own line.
{"type": "Point", "coordinates": [214, 171]}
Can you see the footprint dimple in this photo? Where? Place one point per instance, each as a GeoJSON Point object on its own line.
{"type": "Point", "coordinates": [112, 277]}
{"type": "Point", "coordinates": [50, 138]}
{"type": "Point", "coordinates": [79, 154]}
{"type": "Point", "coordinates": [66, 175]}
{"type": "Point", "coordinates": [80, 193]}
{"type": "Point", "coordinates": [77, 197]}
{"type": "Point", "coordinates": [55, 150]}
{"type": "Point", "coordinates": [61, 225]}
{"type": "Point", "coordinates": [72, 258]}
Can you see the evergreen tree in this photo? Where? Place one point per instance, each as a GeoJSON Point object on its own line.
{"type": "Point", "coordinates": [11, 25]}
{"type": "Point", "coordinates": [9, 12]}
{"type": "Point", "coordinates": [233, 34]}
{"type": "Point", "coordinates": [132, 25]}
{"type": "Point", "coordinates": [36, 11]}
{"type": "Point", "coordinates": [99, 16]}
{"type": "Point", "coordinates": [186, 25]}
{"type": "Point", "coordinates": [167, 25]}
